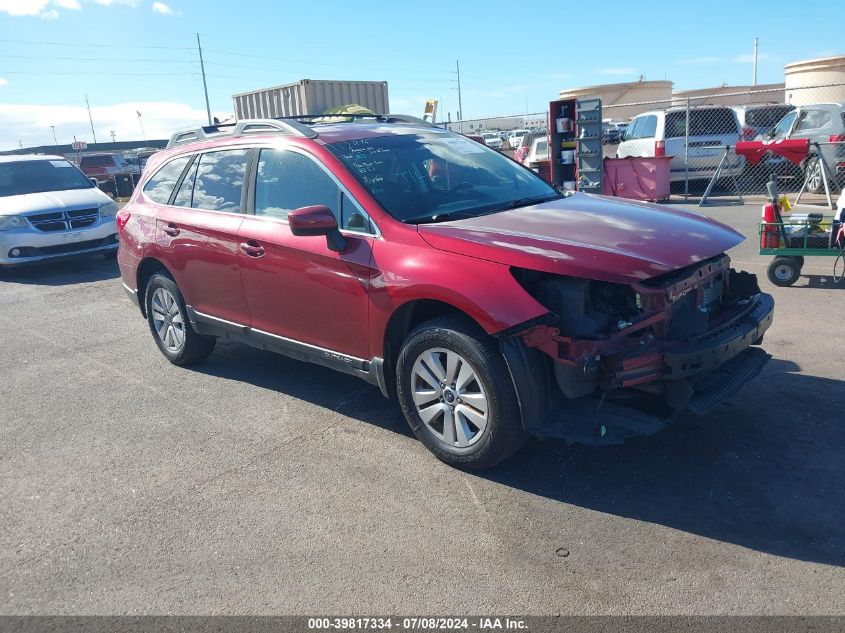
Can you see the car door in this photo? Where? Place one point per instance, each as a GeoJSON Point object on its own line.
{"type": "Point", "coordinates": [297, 287]}
{"type": "Point", "coordinates": [198, 233]}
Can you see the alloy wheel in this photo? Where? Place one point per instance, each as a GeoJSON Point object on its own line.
{"type": "Point", "coordinates": [449, 397]}
{"type": "Point", "coordinates": [168, 320]}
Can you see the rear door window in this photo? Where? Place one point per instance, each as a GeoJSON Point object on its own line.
{"type": "Point", "coordinates": [219, 180]}
{"type": "Point", "coordinates": [160, 186]}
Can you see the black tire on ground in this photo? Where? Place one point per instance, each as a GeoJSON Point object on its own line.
{"type": "Point", "coordinates": [800, 261]}
{"type": "Point", "coordinates": [784, 271]}
{"type": "Point", "coordinates": [813, 175]}
{"type": "Point", "coordinates": [502, 434]}
{"type": "Point", "coordinates": [192, 347]}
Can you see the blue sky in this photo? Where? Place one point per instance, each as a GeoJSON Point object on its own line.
{"type": "Point", "coordinates": [515, 56]}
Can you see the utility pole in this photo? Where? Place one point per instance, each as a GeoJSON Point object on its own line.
{"type": "Point", "coordinates": [204, 85]}
{"type": "Point", "coordinates": [756, 46]}
{"type": "Point", "coordinates": [55, 141]}
{"type": "Point", "coordinates": [90, 120]}
{"type": "Point", "coordinates": [460, 103]}
{"type": "Point", "coordinates": [112, 136]}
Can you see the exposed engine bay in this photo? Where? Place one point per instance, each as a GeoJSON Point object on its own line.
{"type": "Point", "coordinates": [660, 336]}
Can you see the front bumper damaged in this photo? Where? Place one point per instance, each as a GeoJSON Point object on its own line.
{"type": "Point", "coordinates": [644, 387]}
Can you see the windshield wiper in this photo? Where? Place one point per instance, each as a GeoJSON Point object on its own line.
{"type": "Point", "coordinates": [524, 202]}
{"type": "Point", "coordinates": [437, 217]}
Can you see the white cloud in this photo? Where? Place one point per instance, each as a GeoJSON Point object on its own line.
{"type": "Point", "coordinates": [22, 7]}
{"type": "Point", "coordinates": [47, 9]}
{"type": "Point", "coordinates": [128, 3]}
{"type": "Point", "coordinates": [3, 82]}
{"type": "Point", "coordinates": [699, 60]}
{"type": "Point", "coordinates": [747, 58]}
{"type": "Point", "coordinates": [30, 124]}
{"type": "Point", "coordinates": [627, 70]}
{"type": "Point", "coordinates": [160, 7]}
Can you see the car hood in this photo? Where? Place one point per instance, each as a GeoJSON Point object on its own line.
{"type": "Point", "coordinates": [587, 236]}
{"type": "Point", "coordinates": [52, 201]}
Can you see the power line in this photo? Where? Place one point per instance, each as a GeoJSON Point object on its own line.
{"type": "Point", "coordinates": [100, 59]}
{"type": "Point", "coordinates": [78, 44]}
{"type": "Point", "coordinates": [79, 74]}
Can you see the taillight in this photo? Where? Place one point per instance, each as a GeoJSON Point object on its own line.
{"type": "Point", "coordinates": [836, 138]}
{"type": "Point", "coordinates": [748, 133]}
{"type": "Point", "coordinates": [660, 148]}
{"type": "Point", "coordinates": [122, 218]}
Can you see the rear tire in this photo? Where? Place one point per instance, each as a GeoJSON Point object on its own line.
{"type": "Point", "coordinates": [457, 394]}
{"type": "Point", "coordinates": [169, 324]}
{"type": "Point", "coordinates": [784, 271]}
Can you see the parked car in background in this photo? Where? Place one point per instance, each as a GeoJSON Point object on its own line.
{"type": "Point", "coordinates": [663, 133]}
{"type": "Point", "coordinates": [822, 123]}
{"type": "Point", "coordinates": [49, 209]}
{"type": "Point", "coordinates": [524, 146]}
{"type": "Point", "coordinates": [491, 139]}
{"type": "Point", "coordinates": [105, 166]}
{"type": "Point", "coordinates": [515, 139]}
{"type": "Point", "coordinates": [760, 118]}
{"type": "Point", "coordinates": [610, 134]}
{"type": "Point", "coordinates": [489, 304]}
{"type": "Point", "coordinates": [538, 152]}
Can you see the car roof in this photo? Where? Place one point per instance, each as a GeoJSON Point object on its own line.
{"type": "Point", "coordinates": [16, 158]}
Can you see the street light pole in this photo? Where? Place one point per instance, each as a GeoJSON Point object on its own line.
{"type": "Point", "coordinates": [55, 142]}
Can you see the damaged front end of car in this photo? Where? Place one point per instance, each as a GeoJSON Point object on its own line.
{"type": "Point", "coordinates": [612, 360]}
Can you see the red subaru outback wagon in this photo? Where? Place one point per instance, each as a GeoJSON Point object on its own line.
{"type": "Point", "coordinates": [491, 305]}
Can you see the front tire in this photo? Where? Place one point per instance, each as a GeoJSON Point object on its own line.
{"type": "Point", "coordinates": [457, 394]}
{"type": "Point", "coordinates": [813, 175]}
{"type": "Point", "coordinates": [169, 325]}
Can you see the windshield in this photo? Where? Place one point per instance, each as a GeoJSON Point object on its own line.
{"type": "Point", "coordinates": [433, 176]}
{"type": "Point", "coordinates": [36, 176]}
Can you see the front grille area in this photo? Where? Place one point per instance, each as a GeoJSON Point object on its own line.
{"type": "Point", "coordinates": [20, 252]}
{"type": "Point", "coordinates": [64, 220]}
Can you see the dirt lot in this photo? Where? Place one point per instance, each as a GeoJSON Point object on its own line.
{"type": "Point", "coordinates": [256, 484]}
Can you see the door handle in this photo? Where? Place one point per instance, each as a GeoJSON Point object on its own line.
{"type": "Point", "coordinates": [252, 249]}
{"type": "Point", "coordinates": [171, 229]}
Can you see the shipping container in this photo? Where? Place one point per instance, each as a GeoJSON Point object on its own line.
{"type": "Point", "coordinates": [310, 96]}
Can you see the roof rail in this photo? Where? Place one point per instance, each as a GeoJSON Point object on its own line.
{"type": "Point", "coordinates": [244, 126]}
{"type": "Point", "coordinates": [381, 118]}
{"type": "Point", "coordinates": [291, 125]}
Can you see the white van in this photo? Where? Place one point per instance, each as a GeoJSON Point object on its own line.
{"type": "Point", "coordinates": [663, 132]}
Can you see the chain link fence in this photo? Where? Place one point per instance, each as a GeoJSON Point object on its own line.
{"type": "Point", "coordinates": [700, 134]}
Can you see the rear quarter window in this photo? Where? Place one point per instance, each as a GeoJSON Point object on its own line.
{"type": "Point", "coordinates": [713, 122]}
{"type": "Point", "coordinates": [160, 185]}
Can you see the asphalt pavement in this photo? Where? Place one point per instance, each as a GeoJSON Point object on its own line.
{"type": "Point", "coordinates": [251, 483]}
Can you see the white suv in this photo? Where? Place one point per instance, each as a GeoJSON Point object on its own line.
{"type": "Point", "coordinates": [49, 209]}
{"type": "Point", "coordinates": [662, 133]}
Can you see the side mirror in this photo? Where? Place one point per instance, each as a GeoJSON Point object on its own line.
{"type": "Point", "coordinates": [94, 182]}
{"type": "Point", "coordinates": [317, 220]}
